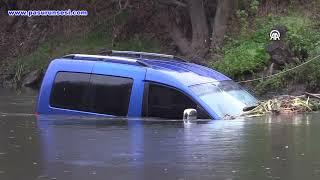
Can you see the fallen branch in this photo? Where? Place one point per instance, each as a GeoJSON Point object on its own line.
{"type": "Point", "coordinates": [317, 96]}
{"type": "Point", "coordinates": [287, 104]}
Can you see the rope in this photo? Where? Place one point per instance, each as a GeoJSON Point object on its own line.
{"type": "Point", "coordinates": [282, 72]}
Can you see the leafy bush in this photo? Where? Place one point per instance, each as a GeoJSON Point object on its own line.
{"type": "Point", "coordinates": [246, 57]}
{"type": "Point", "coordinates": [302, 32]}
{"type": "Point", "coordinates": [309, 75]}
{"type": "Point", "coordinates": [265, 86]}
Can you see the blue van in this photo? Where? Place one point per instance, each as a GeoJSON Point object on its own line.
{"type": "Point", "coordinates": [137, 84]}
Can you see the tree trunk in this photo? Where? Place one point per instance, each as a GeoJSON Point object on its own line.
{"type": "Point", "coordinates": [199, 24]}
{"type": "Point", "coordinates": [219, 28]}
{"type": "Point", "coordinates": [179, 39]}
{"type": "Point", "coordinates": [200, 30]}
{"type": "Point", "coordinates": [198, 46]}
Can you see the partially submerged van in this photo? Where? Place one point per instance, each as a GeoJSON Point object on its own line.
{"type": "Point", "coordinates": [137, 84]}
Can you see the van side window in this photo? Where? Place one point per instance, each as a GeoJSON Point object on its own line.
{"type": "Point", "coordinates": [111, 95]}
{"type": "Point", "coordinates": [70, 91]}
{"type": "Point", "coordinates": [169, 103]}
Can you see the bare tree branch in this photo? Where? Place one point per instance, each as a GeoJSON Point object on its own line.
{"type": "Point", "coordinates": [173, 2]}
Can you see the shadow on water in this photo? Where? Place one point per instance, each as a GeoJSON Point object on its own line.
{"type": "Point", "coordinates": [44, 147]}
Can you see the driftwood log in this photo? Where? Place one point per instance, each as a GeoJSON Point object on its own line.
{"type": "Point", "coordinates": [317, 96]}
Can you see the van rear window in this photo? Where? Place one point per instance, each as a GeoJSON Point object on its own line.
{"type": "Point", "coordinates": [92, 93]}
{"type": "Point", "coordinates": [70, 91]}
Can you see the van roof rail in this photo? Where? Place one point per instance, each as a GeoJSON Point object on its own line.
{"type": "Point", "coordinates": [126, 60]}
{"type": "Point", "coordinates": [141, 55]}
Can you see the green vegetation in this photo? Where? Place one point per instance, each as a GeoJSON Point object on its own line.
{"type": "Point", "coordinates": [243, 56]}
{"type": "Point", "coordinates": [247, 54]}
{"type": "Point", "coordinates": [309, 75]}
{"type": "Point", "coordinates": [92, 43]}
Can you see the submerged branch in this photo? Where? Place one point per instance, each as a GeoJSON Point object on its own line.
{"type": "Point", "coordinates": [287, 104]}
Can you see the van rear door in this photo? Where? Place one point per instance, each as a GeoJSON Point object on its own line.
{"type": "Point", "coordinates": [46, 98]}
{"type": "Point", "coordinates": [117, 89]}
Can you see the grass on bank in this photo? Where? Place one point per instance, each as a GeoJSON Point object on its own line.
{"type": "Point", "coordinates": [247, 54]}
{"type": "Point", "coordinates": [92, 43]}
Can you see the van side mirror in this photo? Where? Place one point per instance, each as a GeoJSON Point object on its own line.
{"type": "Point", "coordinates": [189, 115]}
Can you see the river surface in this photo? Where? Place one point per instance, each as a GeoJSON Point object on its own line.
{"type": "Point", "coordinates": [70, 148]}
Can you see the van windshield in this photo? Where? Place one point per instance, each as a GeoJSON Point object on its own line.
{"type": "Point", "coordinates": [226, 98]}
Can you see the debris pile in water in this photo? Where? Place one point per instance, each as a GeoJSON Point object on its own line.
{"type": "Point", "coordinates": [287, 104]}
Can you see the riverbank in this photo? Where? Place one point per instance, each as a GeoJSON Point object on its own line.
{"type": "Point", "coordinates": [246, 52]}
{"type": "Point", "coordinates": [254, 56]}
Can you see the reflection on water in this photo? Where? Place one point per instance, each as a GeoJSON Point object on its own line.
{"type": "Point", "coordinates": [282, 147]}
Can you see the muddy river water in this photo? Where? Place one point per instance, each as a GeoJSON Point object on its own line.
{"type": "Point", "coordinates": [53, 148]}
